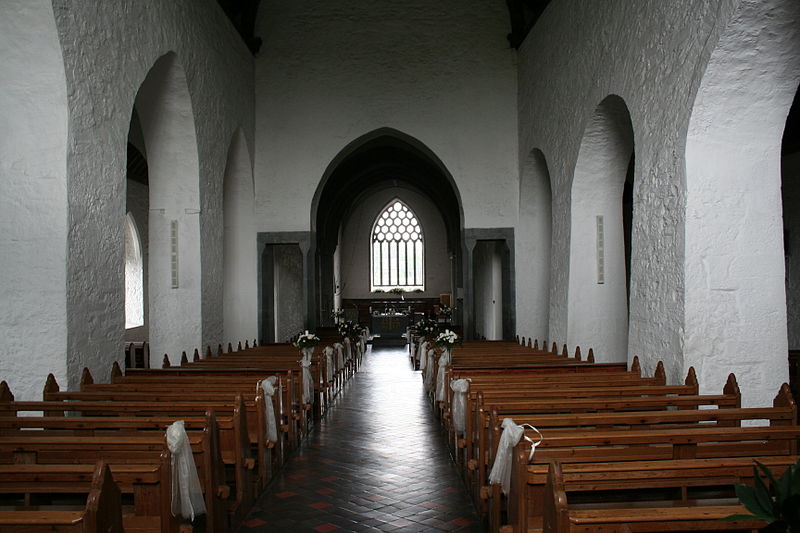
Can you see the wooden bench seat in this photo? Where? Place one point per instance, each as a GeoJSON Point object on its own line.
{"type": "Point", "coordinates": [660, 496]}
{"type": "Point", "coordinates": [102, 512]}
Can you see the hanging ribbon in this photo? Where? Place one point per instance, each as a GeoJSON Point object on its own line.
{"type": "Point", "coordinates": [460, 388]}
{"type": "Point", "coordinates": [308, 386]}
{"type": "Point", "coordinates": [187, 494]}
{"type": "Point", "coordinates": [328, 363]}
{"type": "Point", "coordinates": [348, 349]}
{"type": "Point", "coordinates": [429, 372]}
{"type": "Point", "coordinates": [423, 355]}
{"type": "Point", "coordinates": [339, 355]}
{"type": "Point", "coordinates": [268, 386]}
{"type": "Point", "coordinates": [444, 360]}
{"type": "Point", "coordinates": [512, 433]}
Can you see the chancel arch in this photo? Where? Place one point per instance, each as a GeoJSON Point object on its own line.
{"type": "Point", "coordinates": [164, 109]}
{"type": "Point", "coordinates": [598, 280]}
{"type": "Point", "coordinates": [360, 182]}
{"type": "Point", "coordinates": [735, 317]}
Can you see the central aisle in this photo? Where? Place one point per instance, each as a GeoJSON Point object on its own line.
{"type": "Point", "coordinates": [377, 462]}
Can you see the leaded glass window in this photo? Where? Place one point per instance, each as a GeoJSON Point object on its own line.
{"type": "Point", "coordinates": [398, 259]}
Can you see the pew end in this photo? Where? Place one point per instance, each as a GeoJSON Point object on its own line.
{"type": "Point", "coordinates": [5, 393]}
{"type": "Point", "coordinates": [636, 367]}
{"type": "Point", "coordinates": [732, 387]}
{"type": "Point", "coordinates": [590, 357]}
{"type": "Point", "coordinates": [116, 372]}
{"type": "Point", "coordinates": [691, 380]}
{"type": "Point", "coordinates": [86, 378]}
{"type": "Point", "coordinates": [165, 362]}
{"type": "Point", "coordinates": [660, 374]}
{"type": "Point", "coordinates": [104, 504]}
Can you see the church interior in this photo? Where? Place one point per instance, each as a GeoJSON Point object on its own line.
{"type": "Point", "coordinates": [547, 178]}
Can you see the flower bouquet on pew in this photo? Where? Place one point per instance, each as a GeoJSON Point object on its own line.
{"type": "Point", "coordinates": [305, 343]}
{"type": "Point", "coordinates": [426, 328]}
{"type": "Point", "coordinates": [350, 329]}
{"type": "Point", "coordinates": [447, 339]}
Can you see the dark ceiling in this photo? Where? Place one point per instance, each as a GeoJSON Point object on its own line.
{"type": "Point", "coordinates": [523, 14]}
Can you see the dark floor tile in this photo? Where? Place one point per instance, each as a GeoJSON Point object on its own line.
{"type": "Point", "coordinates": [377, 462]}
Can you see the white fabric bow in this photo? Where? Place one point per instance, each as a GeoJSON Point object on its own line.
{"type": "Point", "coordinates": [348, 349]}
{"type": "Point", "coordinates": [308, 386]}
{"type": "Point", "coordinates": [460, 388]}
{"type": "Point", "coordinates": [429, 372]}
{"type": "Point", "coordinates": [187, 494]}
{"type": "Point", "coordinates": [339, 355]}
{"type": "Point", "coordinates": [444, 360]}
{"type": "Point", "coordinates": [512, 433]}
{"type": "Point", "coordinates": [268, 386]}
{"type": "Point", "coordinates": [423, 355]}
{"type": "Point", "coordinates": [328, 363]}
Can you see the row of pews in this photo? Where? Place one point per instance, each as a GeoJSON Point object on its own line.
{"type": "Point", "coordinates": [553, 442]}
{"type": "Point", "coordinates": [99, 459]}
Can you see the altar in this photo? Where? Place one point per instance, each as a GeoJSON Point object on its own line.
{"type": "Point", "coordinates": [388, 329]}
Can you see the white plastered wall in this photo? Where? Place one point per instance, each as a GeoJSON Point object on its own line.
{"type": "Point", "coordinates": [441, 72]}
{"type": "Point", "coordinates": [33, 206]}
{"type": "Point", "coordinates": [108, 49]}
{"type": "Point", "coordinates": [532, 238]}
{"type": "Point", "coordinates": [735, 287]}
{"type": "Point", "coordinates": [598, 307]}
{"type": "Point", "coordinates": [652, 54]}
{"type": "Point", "coordinates": [240, 303]}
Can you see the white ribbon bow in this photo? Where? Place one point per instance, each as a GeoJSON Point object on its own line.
{"type": "Point", "coordinates": [429, 372]}
{"type": "Point", "coordinates": [423, 355]}
{"type": "Point", "coordinates": [460, 388]}
{"type": "Point", "coordinates": [268, 386]}
{"type": "Point", "coordinates": [187, 494]}
{"type": "Point", "coordinates": [308, 386]}
{"type": "Point", "coordinates": [328, 363]}
{"type": "Point", "coordinates": [339, 355]}
{"type": "Point", "coordinates": [444, 360]}
{"type": "Point", "coordinates": [512, 433]}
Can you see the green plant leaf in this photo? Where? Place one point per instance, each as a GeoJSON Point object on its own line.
{"type": "Point", "coordinates": [754, 500]}
{"type": "Point", "coordinates": [762, 491]}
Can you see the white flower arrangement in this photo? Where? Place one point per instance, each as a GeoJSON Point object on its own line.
{"type": "Point", "coordinates": [447, 339]}
{"type": "Point", "coordinates": [306, 340]}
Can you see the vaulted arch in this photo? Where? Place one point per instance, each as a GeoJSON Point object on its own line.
{"type": "Point", "coordinates": [598, 304]}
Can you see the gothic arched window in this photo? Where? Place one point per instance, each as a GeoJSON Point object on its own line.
{"type": "Point", "coordinates": [398, 259]}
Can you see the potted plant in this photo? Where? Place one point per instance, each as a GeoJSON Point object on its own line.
{"type": "Point", "coordinates": [778, 503]}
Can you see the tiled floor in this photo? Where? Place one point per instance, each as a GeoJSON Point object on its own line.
{"type": "Point", "coordinates": [377, 462]}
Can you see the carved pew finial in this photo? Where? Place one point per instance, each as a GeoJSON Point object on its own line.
{"type": "Point", "coordinates": [230, 348]}
{"type": "Point", "coordinates": [165, 362]}
{"type": "Point", "coordinates": [219, 350]}
{"type": "Point", "coordinates": [536, 344]}
{"type": "Point", "coordinates": [635, 366]}
{"type": "Point", "coordinates": [50, 386]}
{"type": "Point", "coordinates": [691, 380]}
{"type": "Point", "coordinates": [5, 393]}
{"type": "Point", "coordinates": [184, 359]}
{"type": "Point", "coordinates": [577, 353]}
{"type": "Point", "coordinates": [555, 348]}
{"type": "Point", "coordinates": [86, 377]}
{"type": "Point", "coordinates": [660, 374]}
{"type": "Point", "coordinates": [590, 357]}
{"type": "Point", "coordinates": [564, 352]}
{"type": "Point", "coordinates": [116, 372]}
{"type": "Point", "coordinates": [732, 387]}
{"type": "Point", "coordinates": [529, 343]}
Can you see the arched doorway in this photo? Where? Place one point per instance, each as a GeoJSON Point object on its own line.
{"type": "Point", "coordinates": [598, 278]}
{"type": "Point", "coordinates": [735, 294]}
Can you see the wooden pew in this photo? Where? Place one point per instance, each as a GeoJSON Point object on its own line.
{"type": "Point", "coordinates": [101, 514]}
{"type": "Point", "coordinates": [649, 496]}
{"type": "Point", "coordinates": [141, 448]}
{"type": "Point", "coordinates": [604, 446]}
{"type": "Point", "coordinates": [149, 486]}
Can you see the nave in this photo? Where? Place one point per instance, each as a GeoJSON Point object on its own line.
{"type": "Point", "coordinates": [378, 461]}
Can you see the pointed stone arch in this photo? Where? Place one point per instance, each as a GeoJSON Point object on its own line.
{"type": "Point", "coordinates": [33, 202]}
{"type": "Point", "coordinates": [240, 300]}
{"type": "Point", "coordinates": [534, 238]}
{"type": "Point", "coordinates": [164, 107]}
{"type": "Point", "coordinates": [735, 311]}
{"type": "Point", "coordinates": [598, 303]}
